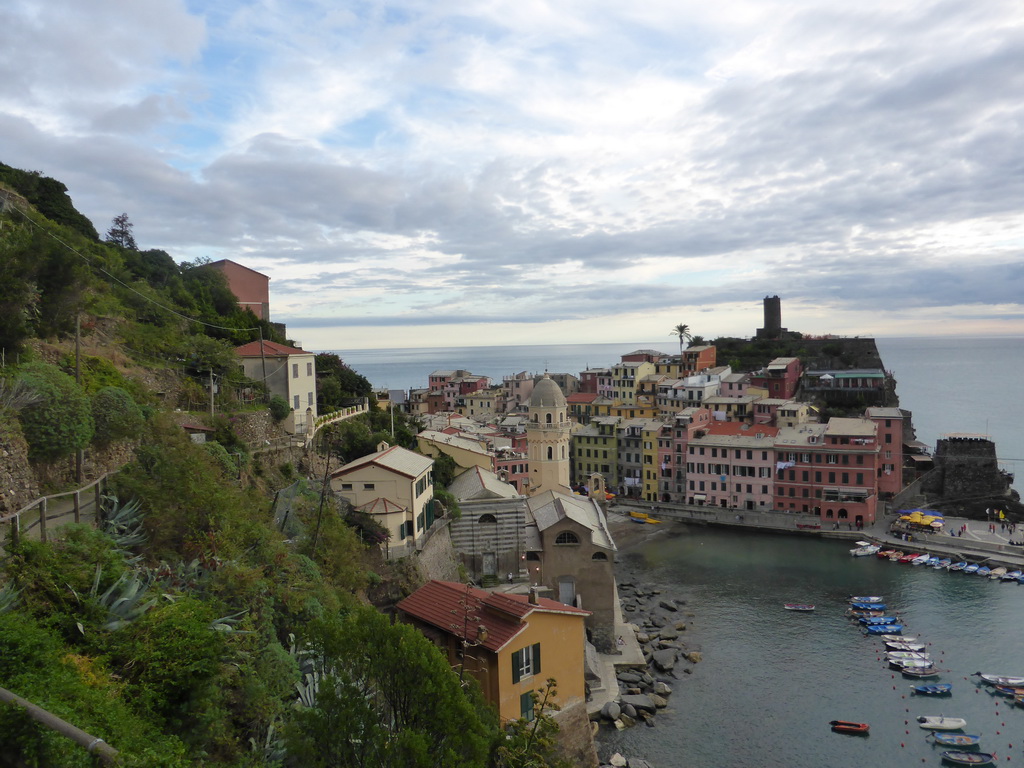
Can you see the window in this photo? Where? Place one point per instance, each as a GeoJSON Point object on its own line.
{"type": "Point", "coordinates": [526, 662]}
{"type": "Point", "coordinates": [309, 399]}
{"type": "Point", "coordinates": [833, 458]}
{"type": "Point", "coordinates": [567, 538]}
{"type": "Point", "coordinates": [295, 370]}
{"type": "Point", "coordinates": [346, 486]}
{"type": "Point", "coordinates": [401, 532]}
{"type": "Point", "coordinates": [367, 486]}
{"type": "Point", "coordinates": [295, 399]}
{"type": "Point", "coordinates": [526, 706]}
{"type": "Point", "coordinates": [309, 369]}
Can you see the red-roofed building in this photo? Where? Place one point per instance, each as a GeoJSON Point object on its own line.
{"type": "Point", "coordinates": [510, 643]}
{"type": "Point", "coordinates": [288, 372]}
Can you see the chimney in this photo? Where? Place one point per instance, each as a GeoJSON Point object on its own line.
{"type": "Point", "coordinates": [533, 596]}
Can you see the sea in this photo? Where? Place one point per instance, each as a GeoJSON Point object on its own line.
{"type": "Point", "coordinates": [950, 384]}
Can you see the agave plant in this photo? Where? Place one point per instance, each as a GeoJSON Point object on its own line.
{"type": "Point", "coordinates": [8, 597]}
{"type": "Point", "coordinates": [123, 599]}
{"type": "Point", "coordinates": [123, 522]}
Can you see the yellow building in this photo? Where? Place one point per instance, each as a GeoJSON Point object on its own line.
{"type": "Point", "coordinates": [511, 644]}
{"type": "Point", "coordinates": [626, 378]}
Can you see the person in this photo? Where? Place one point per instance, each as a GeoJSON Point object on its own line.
{"type": "Point", "coordinates": [620, 641]}
{"type": "Point", "coordinates": [510, 577]}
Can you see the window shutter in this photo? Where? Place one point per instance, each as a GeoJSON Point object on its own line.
{"type": "Point", "coordinates": [516, 666]}
{"type": "Point", "coordinates": [536, 658]}
{"type": "Point", "coordinates": [526, 706]}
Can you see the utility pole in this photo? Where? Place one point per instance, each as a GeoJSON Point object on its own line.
{"type": "Point", "coordinates": [211, 393]}
{"type": "Point", "coordinates": [78, 380]}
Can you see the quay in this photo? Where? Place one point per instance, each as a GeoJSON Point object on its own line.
{"type": "Point", "coordinates": [976, 545]}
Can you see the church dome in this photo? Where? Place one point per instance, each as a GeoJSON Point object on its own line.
{"type": "Point", "coordinates": [547, 394]}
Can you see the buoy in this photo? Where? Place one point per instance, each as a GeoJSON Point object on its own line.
{"type": "Point", "coordinates": [902, 744]}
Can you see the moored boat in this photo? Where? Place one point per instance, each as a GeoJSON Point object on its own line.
{"type": "Point", "coordinates": [865, 599]}
{"type": "Point", "coordinates": [997, 573]}
{"type": "Point", "coordinates": [956, 739]}
{"type": "Point", "coordinates": [915, 655]}
{"type": "Point", "coordinates": [958, 566]}
{"type": "Point", "coordinates": [805, 607]}
{"type": "Point", "coordinates": [940, 722]}
{"type": "Point", "coordinates": [920, 672]}
{"type": "Point", "coordinates": [847, 726]}
{"type": "Point", "coordinates": [867, 606]}
{"type": "Point", "coordinates": [983, 571]}
{"type": "Point", "coordinates": [932, 561]}
{"type": "Point", "coordinates": [894, 645]}
{"type": "Point", "coordinates": [933, 689]}
{"type": "Point", "coordinates": [898, 637]}
{"type": "Point", "coordinates": [943, 563]}
{"type": "Point", "coordinates": [910, 557]}
{"type": "Point", "coordinates": [971, 568]}
{"type": "Point", "coordinates": [1013, 576]}
{"type": "Point", "coordinates": [914, 665]}
{"type": "Point", "coordinates": [1008, 690]}
{"type": "Point", "coordinates": [968, 758]}
{"type": "Point", "coordinates": [864, 548]}
{"type": "Point", "coordinates": [885, 554]}
{"type": "Point", "coordinates": [873, 620]}
{"type": "Point", "coordinates": [896, 556]}
{"type": "Point", "coordinates": [883, 629]}
{"type": "Point", "coordinates": [999, 679]}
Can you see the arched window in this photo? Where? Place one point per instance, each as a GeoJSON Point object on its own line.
{"type": "Point", "coordinates": [488, 518]}
{"type": "Point", "coordinates": [842, 514]}
{"type": "Point", "coordinates": [532, 556]}
{"type": "Point", "coordinates": [563, 451]}
{"type": "Point", "coordinates": [561, 417]}
{"type": "Point", "coordinates": [599, 556]}
{"type": "Point", "coordinates": [551, 453]}
{"type": "Point", "coordinates": [828, 513]}
{"type": "Point", "coordinates": [547, 417]}
{"type": "Point", "coordinates": [567, 538]}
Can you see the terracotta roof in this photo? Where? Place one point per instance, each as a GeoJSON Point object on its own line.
{"type": "Point", "coordinates": [582, 397]}
{"type": "Point", "coordinates": [270, 348]}
{"type": "Point", "coordinates": [446, 605]}
{"type": "Point", "coordinates": [395, 458]}
{"type": "Point", "coordinates": [381, 506]}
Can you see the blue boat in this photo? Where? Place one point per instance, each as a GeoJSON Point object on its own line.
{"type": "Point", "coordinates": [956, 739]}
{"type": "Point", "coordinates": [883, 629]}
{"type": "Point", "coordinates": [943, 563]}
{"type": "Point", "coordinates": [935, 689]}
{"type": "Point", "coordinates": [969, 758]}
{"type": "Point", "coordinates": [959, 566]}
{"type": "Point", "coordinates": [984, 571]}
{"type": "Point", "coordinates": [972, 568]}
{"type": "Point", "coordinates": [868, 606]}
{"type": "Point", "coordinates": [864, 599]}
{"type": "Point", "coordinates": [878, 619]}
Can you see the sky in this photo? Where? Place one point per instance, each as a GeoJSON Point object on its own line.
{"type": "Point", "coordinates": [437, 173]}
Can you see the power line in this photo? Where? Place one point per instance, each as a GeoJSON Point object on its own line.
{"type": "Point", "coordinates": [120, 282]}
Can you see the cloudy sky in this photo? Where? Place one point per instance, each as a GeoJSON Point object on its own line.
{"type": "Point", "coordinates": [438, 173]}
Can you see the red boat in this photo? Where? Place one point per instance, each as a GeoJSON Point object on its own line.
{"type": "Point", "coordinates": [908, 558]}
{"type": "Point", "coordinates": [845, 726]}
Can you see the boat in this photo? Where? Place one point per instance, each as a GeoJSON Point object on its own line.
{"type": "Point", "coordinates": [898, 638]}
{"type": "Point", "coordinates": [885, 554]}
{"type": "Point", "coordinates": [968, 758]}
{"type": "Point", "coordinates": [910, 557]}
{"type": "Point", "coordinates": [958, 566]}
{"type": "Point", "coordinates": [883, 629]}
{"type": "Point", "coordinates": [862, 614]}
{"type": "Point", "coordinates": [846, 726]}
{"type": "Point", "coordinates": [940, 722]}
{"type": "Point", "coordinates": [956, 739]}
{"type": "Point", "coordinates": [873, 620]}
{"type": "Point", "coordinates": [643, 517]}
{"type": "Point", "coordinates": [921, 559]}
{"type": "Point", "coordinates": [867, 606]}
{"type": "Point", "coordinates": [864, 548]}
{"type": "Point", "coordinates": [1020, 579]}
{"type": "Point", "coordinates": [893, 645]}
{"type": "Point", "coordinates": [805, 607]}
{"type": "Point", "coordinates": [902, 664]}
{"type": "Point", "coordinates": [930, 562]}
{"type": "Point", "coordinates": [1018, 699]}
{"type": "Point", "coordinates": [999, 679]}
{"type": "Point", "coordinates": [943, 563]}
{"type": "Point", "coordinates": [896, 555]}
{"type": "Point", "coordinates": [933, 689]}
{"type": "Point", "coordinates": [865, 599]}
{"type": "Point", "coordinates": [1013, 576]}
{"type": "Point", "coordinates": [920, 672]}
{"type": "Point", "coordinates": [983, 571]}
{"type": "Point", "coordinates": [997, 573]}
{"type": "Point", "coordinates": [1008, 690]}
{"type": "Point", "coordinates": [971, 568]}
{"type": "Point", "coordinates": [915, 655]}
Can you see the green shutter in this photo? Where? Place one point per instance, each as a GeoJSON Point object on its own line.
{"type": "Point", "coordinates": [536, 658]}
{"type": "Point", "coordinates": [526, 706]}
{"type": "Point", "coordinates": [516, 666]}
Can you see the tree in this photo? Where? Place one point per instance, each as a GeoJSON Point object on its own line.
{"type": "Point", "coordinates": [120, 233]}
{"type": "Point", "coordinates": [683, 332]}
{"type": "Point", "coordinates": [61, 421]}
{"type": "Point", "coordinates": [698, 341]}
{"type": "Point", "coordinates": [115, 415]}
{"type": "Point", "coordinates": [384, 697]}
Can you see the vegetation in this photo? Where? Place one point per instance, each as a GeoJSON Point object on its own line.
{"type": "Point", "coordinates": [683, 332]}
{"type": "Point", "coordinates": [60, 421]}
{"type": "Point", "coordinates": [115, 416]}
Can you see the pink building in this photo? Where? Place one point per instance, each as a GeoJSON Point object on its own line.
{"type": "Point", "coordinates": [251, 288]}
{"type": "Point", "coordinates": [734, 385]}
{"type": "Point", "coordinates": [730, 464]}
{"type": "Point", "coordinates": [889, 422]}
{"type": "Point", "coordinates": [780, 378]}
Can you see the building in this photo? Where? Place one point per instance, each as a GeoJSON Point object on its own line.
{"type": "Point", "coordinates": [772, 319]}
{"type": "Point", "coordinates": [251, 288]}
{"type": "Point", "coordinates": [730, 464]}
{"type": "Point", "coordinates": [890, 423]}
{"type": "Point", "coordinates": [510, 644]}
{"type": "Point", "coordinates": [547, 438]}
{"type": "Point", "coordinates": [396, 487]}
{"type": "Point", "coordinates": [780, 379]}
{"type": "Point", "coordinates": [287, 372]}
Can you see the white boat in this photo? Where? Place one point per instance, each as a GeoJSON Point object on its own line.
{"type": "Point", "coordinates": [941, 723]}
{"type": "Point", "coordinates": [898, 638]}
{"type": "Point", "coordinates": [864, 548]}
{"type": "Point", "coordinates": [920, 560]}
{"type": "Point", "coordinates": [897, 646]}
{"type": "Point", "coordinates": [997, 573]}
{"type": "Point", "coordinates": [865, 599]}
{"type": "Point", "coordinates": [999, 679]}
{"type": "Point", "coordinates": [1012, 576]}
{"type": "Point", "coordinates": [917, 655]}
{"type": "Point", "coordinates": [911, 663]}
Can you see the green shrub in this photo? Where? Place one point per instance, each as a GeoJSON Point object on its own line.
{"type": "Point", "coordinates": [115, 416]}
{"type": "Point", "coordinates": [61, 422]}
{"type": "Point", "coordinates": [279, 408]}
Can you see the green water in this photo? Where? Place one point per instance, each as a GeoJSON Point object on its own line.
{"type": "Point", "coordinates": [771, 679]}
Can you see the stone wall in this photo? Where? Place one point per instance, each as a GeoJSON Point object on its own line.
{"type": "Point", "coordinates": [18, 484]}
{"type": "Point", "coordinates": [966, 468]}
{"type": "Point", "coordinates": [437, 558]}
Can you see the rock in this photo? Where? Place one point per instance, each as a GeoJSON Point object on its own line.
{"type": "Point", "coordinates": [629, 677]}
{"type": "Point", "coordinates": [643, 637]}
{"type": "Point", "coordinates": [659, 702]}
{"type": "Point", "coordinates": [611, 710]}
{"type": "Point", "coordinates": [688, 671]}
{"type": "Point", "coordinates": [662, 689]}
{"type": "Point", "coordinates": [657, 621]}
{"type": "Point", "coordinates": [629, 608]}
{"type": "Point", "coordinates": [668, 633]}
{"type": "Point", "coordinates": [626, 720]}
{"type": "Point", "coordinates": [694, 657]}
{"type": "Point", "coordinates": [680, 626]}
{"type": "Point", "coordinates": [664, 659]}
{"type": "Point", "coordinates": [641, 702]}
{"type": "Point", "coordinates": [617, 760]}
{"type": "Point", "coordinates": [668, 605]}
{"type": "Point", "coordinates": [628, 710]}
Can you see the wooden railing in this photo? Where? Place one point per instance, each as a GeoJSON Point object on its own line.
{"type": "Point", "coordinates": [51, 510]}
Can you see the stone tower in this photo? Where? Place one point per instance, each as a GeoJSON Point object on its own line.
{"type": "Point", "coordinates": [772, 319]}
{"type": "Point", "coordinates": [547, 436]}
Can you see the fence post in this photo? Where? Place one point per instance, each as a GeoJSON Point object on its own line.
{"type": "Point", "coordinates": [42, 520]}
{"type": "Point", "coordinates": [96, 505]}
{"type": "Point", "coordinates": [78, 507]}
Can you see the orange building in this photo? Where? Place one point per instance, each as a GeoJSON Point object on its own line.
{"type": "Point", "coordinates": [511, 644]}
{"type": "Point", "coordinates": [251, 288]}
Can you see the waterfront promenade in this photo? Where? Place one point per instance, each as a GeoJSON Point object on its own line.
{"type": "Point", "coordinates": [978, 544]}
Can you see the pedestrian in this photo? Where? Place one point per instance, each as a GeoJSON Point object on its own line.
{"type": "Point", "coordinates": [510, 577]}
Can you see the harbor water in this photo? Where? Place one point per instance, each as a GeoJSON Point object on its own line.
{"type": "Point", "coordinates": [771, 680]}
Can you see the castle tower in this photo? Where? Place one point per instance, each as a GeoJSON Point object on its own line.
{"type": "Point", "coordinates": [547, 436]}
{"type": "Point", "coordinates": [772, 319]}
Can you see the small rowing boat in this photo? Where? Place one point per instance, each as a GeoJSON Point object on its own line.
{"type": "Point", "coordinates": [969, 758]}
{"type": "Point", "coordinates": [865, 599]}
{"type": "Point", "coordinates": [867, 606]}
{"type": "Point", "coordinates": [899, 638]}
{"type": "Point", "coordinates": [898, 646]}
{"type": "Point", "coordinates": [933, 689]}
{"type": "Point", "coordinates": [940, 722]}
{"type": "Point", "coordinates": [958, 566]}
{"type": "Point", "coordinates": [805, 607]}
{"type": "Point", "coordinates": [846, 726]}
{"type": "Point", "coordinates": [883, 629]}
{"type": "Point", "coordinates": [999, 679]}
{"type": "Point", "coordinates": [956, 739]}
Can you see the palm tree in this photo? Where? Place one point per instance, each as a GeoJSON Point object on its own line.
{"type": "Point", "coordinates": [683, 332]}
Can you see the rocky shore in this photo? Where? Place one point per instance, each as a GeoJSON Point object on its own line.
{"type": "Point", "coordinates": [660, 623]}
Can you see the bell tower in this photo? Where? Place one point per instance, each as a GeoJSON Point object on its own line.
{"type": "Point", "coordinates": [547, 437]}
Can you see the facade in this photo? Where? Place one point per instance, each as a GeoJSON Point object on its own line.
{"type": "Point", "coordinates": [401, 478]}
{"type": "Point", "coordinates": [251, 288]}
{"type": "Point", "coordinates": [890, 427]}
{"type": "Point", "coordinates": [547, 438]}
{"type": "Point", "coordinates": [689, 362]}
{"type": "Point", "coordinates": [511, 644]}
{"type": "Point", "coordinates": [288, 372]}
{"type": "Point", "coordinates": [780, 379]}
{"type": "Point", "coordinates": [625, 379]}
{"type": "Point", "coordinates": [595, 449]}
{"type": "Point", "coordinates": [466, 451]}
{"type": "Point", "coordinates": [731, 464]}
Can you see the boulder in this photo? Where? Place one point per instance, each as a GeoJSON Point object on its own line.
{"type": "Point", "coordinates": [693, 657]}
{"type": "Point", "coordinates": [668, 605]}
{"type": "Point", "coordinates": [641, 702]}
{"type": "Point", "coordinates": [617, 760]}
{"type": "Point", "coordinates": [630, 678]}
{"type": "Point", "coordinates": [664, 659]}
{"type": "Point", "coordinates": [659, 701]}
{"type": "Point", "coordinates": [611, 710]}
{"type": "Point", "coordinates": [662, 689]}
{"type": "Point", "coordinates": [668, 633]}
